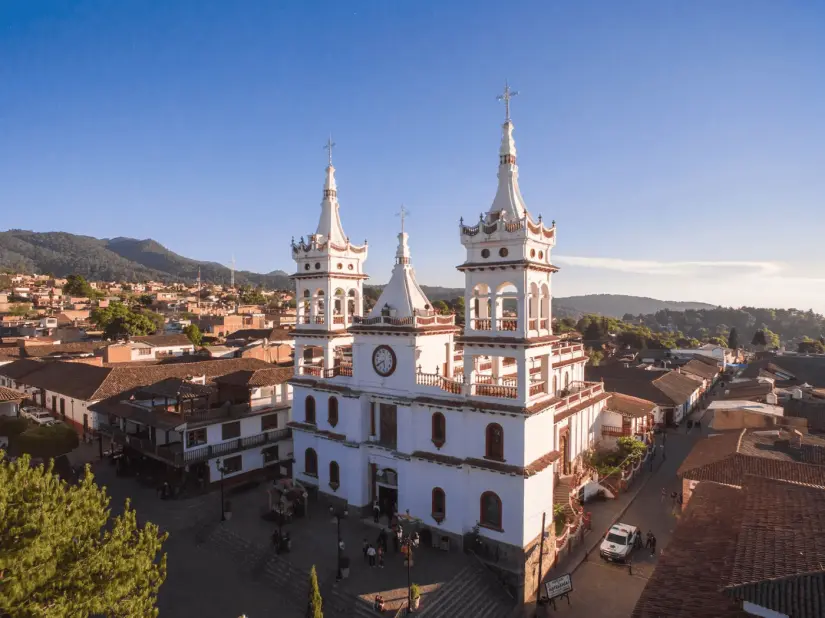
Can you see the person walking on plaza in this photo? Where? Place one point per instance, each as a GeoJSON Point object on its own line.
{"type": "Point", "coordinates": [664, 493]}
{"type": "Point", "coordinates": [371, 555]}
{"type": "Point", "coordinates": [652, 545]}
{"type": "Point", "coordinates": [380, 557]}
{"type": "Point", "coordinates": [649, 539]}
{"type": "Point", "coordinates": [376, 511]}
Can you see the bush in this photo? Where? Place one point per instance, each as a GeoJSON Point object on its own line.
{"type": "Point", "coordinates": [12, 426]}
{"type": "Point", "coordinates": [415, 591]}
{"type": "Point", "coordinates": [47, 441]}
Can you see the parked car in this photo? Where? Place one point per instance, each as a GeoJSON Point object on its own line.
{"type": "Point", "coordinates": [619, 543]}
{"type": "Point", "coordinates": [37, 415]}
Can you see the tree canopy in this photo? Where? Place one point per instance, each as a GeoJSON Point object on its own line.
{"type": "Point", "coordinates": [63, 555]}
{"type": "Point", "coordinates": [118, 320]}
{"type": "Point", "coordinates": [76, 285]}
{"type": "Point", "coordinates": [733, 339]}
{"type": "Point", "coordinates": [194, 333]}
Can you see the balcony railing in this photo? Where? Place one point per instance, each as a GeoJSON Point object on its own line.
{"type": "Point", "coordinates": [533, 324]}
{"type": "Point", "coordinates": [537, 388]}
{"type": "Point", "coordinates": [543, 324]}
{"type": "Point", "coordinates": [439, 381]}
{"type": "Point", "coordinates": [616, 432]}
{"type": "Point", "coordinates": [495, 390]}
{"type": "Point", "coordinates": [507, 324]}
{"type": "Point", "coordinates": [581, 394]}
{"type": "Point", "coordinates": [312, 370]}
{"type": "Point", "coordinates": [239, 444]}
{"type": "Point", "coordinates": [482, 324]}
{"type": "Point", "coordinates": [337, 319]}
{"type": "Point", "coordinates": [418, 320]}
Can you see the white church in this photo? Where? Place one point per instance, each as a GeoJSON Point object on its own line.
{"type": "Point", "coordinates": [457, 427]}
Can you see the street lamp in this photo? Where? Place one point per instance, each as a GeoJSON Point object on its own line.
{"type": "Point", "coordinates": [223, 471]}
{"type": "Point", "coordinates": [409, 543]}
{"type": "Point", "coordinates": [337, 518]}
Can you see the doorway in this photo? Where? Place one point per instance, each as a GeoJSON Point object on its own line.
{"type": "Point", "coordinates": [387, 498]}
{"type": "Point", "coordinates": [564, 449]}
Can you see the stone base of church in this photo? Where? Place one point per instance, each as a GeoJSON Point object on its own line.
{"type": "Point", "coordinates": [517, 568]}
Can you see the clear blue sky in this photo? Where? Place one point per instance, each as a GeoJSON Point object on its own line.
{"type": "Point", "coordinates": [680, 146]}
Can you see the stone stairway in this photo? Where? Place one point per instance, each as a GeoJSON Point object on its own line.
{"type": "Point", "coordinates": [474, 591]}
{"type": "Point", "coordinates": [340, 604]}
{"type": "Point", "coordinates": [561, 495]}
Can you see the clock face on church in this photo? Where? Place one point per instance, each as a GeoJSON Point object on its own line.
{"type": "Point", "coordinates": [383, 360]}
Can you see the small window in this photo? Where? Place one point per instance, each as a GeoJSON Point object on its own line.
{"type": "Point", "coordinates": [231, 465]}
{"type": "Point", "coordinates": [196, 437]}
{"type": "Point", "coordinates": [269, 422]}
{"type": "Point", "coordinates": [350, 266]}
{"type": "Point", "coordinates": [334, 475]}
{"type": "Point", "coordinates": [439, 511]}
{"type": "Point", "coordinates": [485, 253]}
{"type": "Point", "coordinates": [494, 442]}
{"type": "Point", "coordinates": [439, 427]}
{"type": "Point", "coordinates": [541, 255]}
{"type": "Point", "coordinates": [306, 267]}
{"type": "Point", "coordinates": [340, 266]}
{"type": "Point", "coordinates": [231, 430]}
{"type": "Point", "coordinates": [309, 410]}
{"type": "Point", "coordinates": [490, 515]}
{"type": "Point", "coordinates": [503, 252]}
{"type": "Point", "coordinates": [532, 253]}
{"type": "Point", "coordinates": [333, 411]}
{"type": "Point", "coordinates": [311, 462]}
{"type": "Point", "coordinates": [317, 265]}
{"type": "Point", "coordinates": [270, 454]}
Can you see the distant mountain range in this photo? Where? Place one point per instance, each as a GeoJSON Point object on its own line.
{"type": "Point", "coordinates": [113, 259]}
{"type": "Point", "coordinates": [128, 259]}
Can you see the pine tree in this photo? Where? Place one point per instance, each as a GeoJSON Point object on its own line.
{"type": "Point", "coordinates": [733, 339]}
{"type": "Point", "coordinates": [63, 555]}
{"type": "Point", "coordinates": [315, 601]}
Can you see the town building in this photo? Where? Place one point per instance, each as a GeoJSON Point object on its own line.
{"type": "Point", "coordinates": [465, 430]}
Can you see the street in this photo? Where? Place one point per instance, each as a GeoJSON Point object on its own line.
{"type": "Point", "coordinates": [611, 590]}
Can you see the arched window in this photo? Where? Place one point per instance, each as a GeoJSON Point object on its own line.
{"type": "Point", "coordinates": [439, 504]}
{"type": "Point", "coordinates": [332, 416]}
{"type": "Point", "coordinates": [439, 429]}
{"type": "Point", "coordinates": [334, 475]}
{"type": "Point", "coordinates": [555, 384]}
{"type": "Point", "coordinates": [311, 462]}
{"type": "Point", "coordinates": [309, 410]}
{"type": "Point", "coordinates": [490, 515]}
{"type": "Point", "coordinates": [566, 380]}
{"type": "Point", "coordinates": [495, 442]}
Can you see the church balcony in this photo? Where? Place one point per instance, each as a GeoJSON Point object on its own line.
{"type": "Point", "coordinates": [421, 320]}
{"type": "Point", "coordinates": [576, 394]}
{"type": "Point", "coordinates": [341, 368]}
{"type": "Point", "coordinates": [453, 386]}
{"type": "Point", "coordinates": [616, 432]}
{"type": "Point", "coordinates": [315, 371]}
{"type": "Point", "coordinates": [499, 391]}
{"type": "Point", "coordinates": [507, 324]}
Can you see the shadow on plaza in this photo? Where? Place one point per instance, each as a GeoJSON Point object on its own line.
{"type": "Point", "coordinates": [315, 542]}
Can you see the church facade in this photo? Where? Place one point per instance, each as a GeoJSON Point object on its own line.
{"type": "Point", "coordinates": [462, 429]}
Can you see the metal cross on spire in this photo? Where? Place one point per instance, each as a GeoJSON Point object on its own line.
{"type": "Point", "coordinates": [330, 145]}
{"type": "Point", "coordinates": [403, 212]}
{"type": "Point", "coordinates": [508, 94]}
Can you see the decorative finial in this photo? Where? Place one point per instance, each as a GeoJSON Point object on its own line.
{"type": "Point", "coordinates": [554, 223]}
{"type": "Point", "coordinates": [508, 94]}
{"type": "Point", "coordinates": [330, 145]}
{"type": "Point", "coordinates": [461, 221]}
{"type": "Point", "coordinates": [403, 212]}
{"type": "Point", "coordinates": [539, 218]}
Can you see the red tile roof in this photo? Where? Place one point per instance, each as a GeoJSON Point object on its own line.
{"type": "Point", "coordinates": [729, 457]}
{"type": "Point", "coordinates": [9, 394]}
{"type": "Point", "coordinates": [633, 407]}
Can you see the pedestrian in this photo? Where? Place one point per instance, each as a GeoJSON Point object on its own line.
{"type": "Point", "coordinates": [364, 548]}
{"type": "Point", "coordinates": [380, 557]}
{"type": "Point", "coordinates": [673, 496]}
{"type": "Point", "coordinates": [652, 545]}
{"type": "Point", "coordinates": [648, 539]}
{"type": "Point", "coordinates": [376, 511]}
{"type": "Point", "coordinates": [371, 555]}
{"type": "Point", "coordinates": [399, 534]}
{"type": "Point", "coordinates": [664, 493]}
{"type": "Point", "coordinates": [680, 498]}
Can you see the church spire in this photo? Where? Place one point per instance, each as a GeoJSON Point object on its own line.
{"type": "Point", "coordinates": [329, 226]}
{"type": "Point", "coordinates": [508, 201]}
{"type": "Point", "coordinates": [402, 294]}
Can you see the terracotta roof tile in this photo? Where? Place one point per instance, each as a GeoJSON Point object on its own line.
{"type": "Point", "coordinates": [627, 405]}
{"type": "Point", "coordinates": [258, 377]}
{"type": "Point", "coordinates": [9, 394]}
{"type": "Point", "coordinates": [729, 457]}
{"type": "Point", "coordinates": [701, 369]}
{"type": "Point", "coordinates": [678, 387]}
{"type": "Point", "coordinates": [77, 347]}
{"type": "Point", "coordinates": [162, 340]}
{"type": "Point", "coordinates": [19, 368]}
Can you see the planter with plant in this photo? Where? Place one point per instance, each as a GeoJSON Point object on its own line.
{"type": "Point", "coordinates": [415, 593]}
